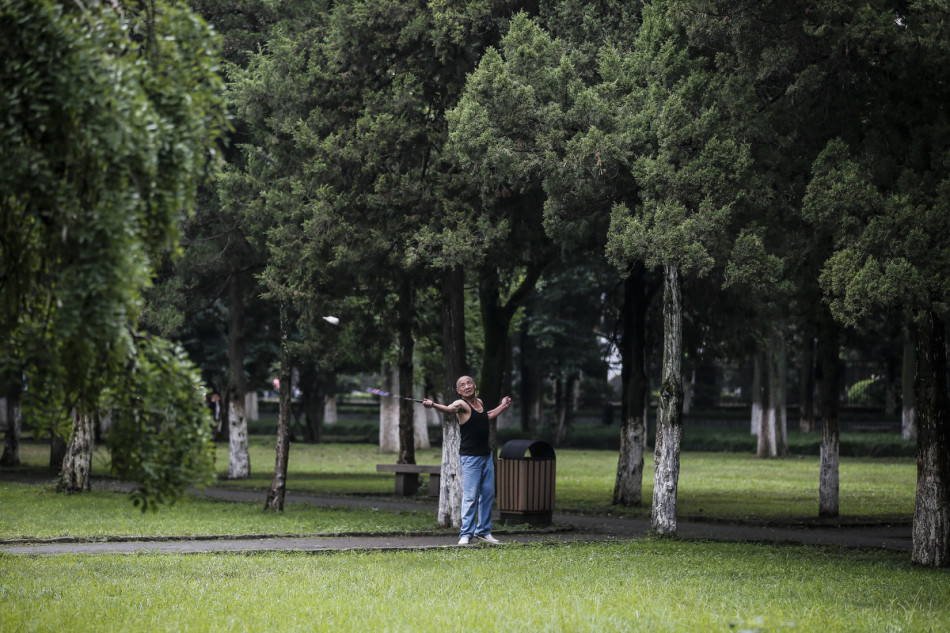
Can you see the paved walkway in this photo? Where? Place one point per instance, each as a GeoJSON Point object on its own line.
{"type": "Point", "coordinates": [567, 527]}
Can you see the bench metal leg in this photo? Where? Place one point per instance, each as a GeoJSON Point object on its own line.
{"type": "Point", "coordinates": [434, 479]}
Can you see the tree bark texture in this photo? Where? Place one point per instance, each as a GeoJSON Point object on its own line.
{"type": "Point", "coordinates": [278, 486]}
{"type": "Point", "coordinates": [563, 404]}
{"type": "Point", "coordinates": [330, 412]}
{"type": "Point", "coordinates": [806, 409]}
{"type": "Point", "coordinates": [406, 370]}
{"type": "Point", "coordinates": [766, 428]}
{"type": "Point", "coordinates": [239, 460]}
{"type": "Point", "coordinates": [778, 381]}
{"type": "Point", "coordinates": [76, 472]}
{"type": "Point", "coordinates": [890, 383]}
{"type": "Point", "coordinates": [756, 395]}
{"type": "Point", "coordinates": [57, 452]}
{"type": "Point", "coordinates": [828, 351]}
{"type": "Point", "coordinates": [14, 419]}
{"type": "Point", "coordinates": [450, 482]}
{"type": "Point", "coordinates": [628, 486]}
{"type": "Point", "coordinates": [532, 385]}
{"type": "Point", "coordinates": [315, 391]}
{"type": "Point", "coordinates": [669, 424]}
{"type": "Point", "coordinates": [389, 412]}
{"type": "Point", "coordinates": [455, 366]}
{"type": "Point", "coordinates": [495, 322]}
{"type": "Point", "coordinates": [453, 329]}
{"type": "Point", "coordinates": [689, 388]}
{"type": "Point", "coordinates": [931, 533]}
{"type": "Point", "coordinates": [908, 398]}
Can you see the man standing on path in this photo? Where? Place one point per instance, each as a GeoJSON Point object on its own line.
{"type": "Point", "coordinates": [475, 455]}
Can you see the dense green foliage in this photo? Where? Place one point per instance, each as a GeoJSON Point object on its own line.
{"type": "Point", "coordinates": [112, 115]}
{"type": "Point", "coordinates": [161, 434]}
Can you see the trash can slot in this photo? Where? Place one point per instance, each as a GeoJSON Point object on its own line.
{"type": "Point", "coordinates": [517, 449]}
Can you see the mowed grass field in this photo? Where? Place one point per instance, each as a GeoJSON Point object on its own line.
{"type": "Point", "coordinates": [713, 486]}
{"type": "Point", "coordinates": [641, 585]}
{"type": "Point", "coordinates": [645, 585]}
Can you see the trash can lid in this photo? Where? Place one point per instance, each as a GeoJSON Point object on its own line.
{"type": "Point", "coordinates": [516, 449]}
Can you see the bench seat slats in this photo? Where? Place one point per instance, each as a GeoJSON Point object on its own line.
{"type": "Point", "coordinates": [408, 468]}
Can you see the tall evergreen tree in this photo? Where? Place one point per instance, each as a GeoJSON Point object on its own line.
{"type": "Point", "coordinates": [689, 167]}
{"type": "Point", "coordinates": [880, 191]}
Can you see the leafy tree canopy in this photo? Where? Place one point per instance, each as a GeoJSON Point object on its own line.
{"type": "Point", "coordinates": [112, 114]}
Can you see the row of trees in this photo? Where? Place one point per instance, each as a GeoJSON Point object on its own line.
{"type": "Point", "coordinates": [706, 176]}
{"type": "Point", "coordinates": [783, 163]}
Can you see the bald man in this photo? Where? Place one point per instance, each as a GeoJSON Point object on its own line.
{"type": "Point", "coordinates": [475, 454]}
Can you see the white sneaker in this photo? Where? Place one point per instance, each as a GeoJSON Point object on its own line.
{"type": "Point", "coordinates": [488, 538]}
{"type": "Point", "coordinates": [464, 540]}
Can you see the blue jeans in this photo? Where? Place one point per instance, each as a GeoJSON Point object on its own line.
{"type": "Point", "coordinates": [478, 494]}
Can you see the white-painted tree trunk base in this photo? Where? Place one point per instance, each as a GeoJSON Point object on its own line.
{"type": "Point", "coordinates": [239, 458]}
{"type": "Point", "coordinates": [628, 488]}
{"type": "Point", "coordinates": [669, 425]}
{"type": "Point", "coordinates": [330, 412]}
{"type": "Point", "coordinates": [909, 423]}
{"type": "Point", "coordinates": [450, 482]}
{"type": "Point", "coordinates": [828, 485]}
{"type": "Point", "coordinates": [75, 475]}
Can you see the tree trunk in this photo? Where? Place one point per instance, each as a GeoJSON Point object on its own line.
{"type": "Point", "coordinates": [406, 369]}
{"type": "Point", "coordinates": [328, 406]}
{"type": "Point", "coordinates": [496, 319]}
{"type": "Point", "coordinates": [563, 388]}
{"type": "Point", "coordinates": [239, 460]}
{"type": "Point", "coordinates": [313, 397]}
{"type": "Point", "coordinates": [806, 409]}
{"type": "Point", "coordinates": [495, 323]}
{"type": "Point", "coordinates": [765, 431]}
{"type": "Point", "coordinates": [532, 385]}
{"type": "Point", "coordinates": [890, 384]}
{"type": "Point", "coordinates": [453, 351]}
{"type": "Point", "coordinates": [669, 424]}
{"type": "Point", "coordinates": [76, 473]}
{"type": "Point", "coordinates": [932, 511]}
{"type": "Point", "coordinates": [689, 388]}
{"type": "Point", "coordinates": [389, 412]}
{"type": "Point", "coordinates": [57, 451]}
{"type": "Point", "coordinates": [628, 486]}
{"type": "Point", "coordinates": [278, 486]}
{"type": "Point", "coordinates": [778, 380]}
{"type": "Point", "coordinates": [828, 345]}
{"type": "Point", "coordinates": [450, 482]}
{"type": "Point", "coordinates": [908, 399]}
{"type": "Point", "coordinates": [330, 411]}
{"type": "Point", "coordinates": [756, 395]}
{"type": "Point", "coordinates": [11, 444]}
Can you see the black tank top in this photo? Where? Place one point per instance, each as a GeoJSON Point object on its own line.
{"type": "Point", "coordinates": [475, 434]}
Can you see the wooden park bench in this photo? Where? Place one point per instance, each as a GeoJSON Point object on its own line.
{"type": "Point", "coordinates": [407, 477]}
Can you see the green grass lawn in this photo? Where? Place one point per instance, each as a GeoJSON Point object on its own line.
{"type": "Point", "coordinates": [714, 486]}
{"type": "Point", "coordinates": [37, 512]}
{"type": "Point", "coordinates": [645, 585]}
